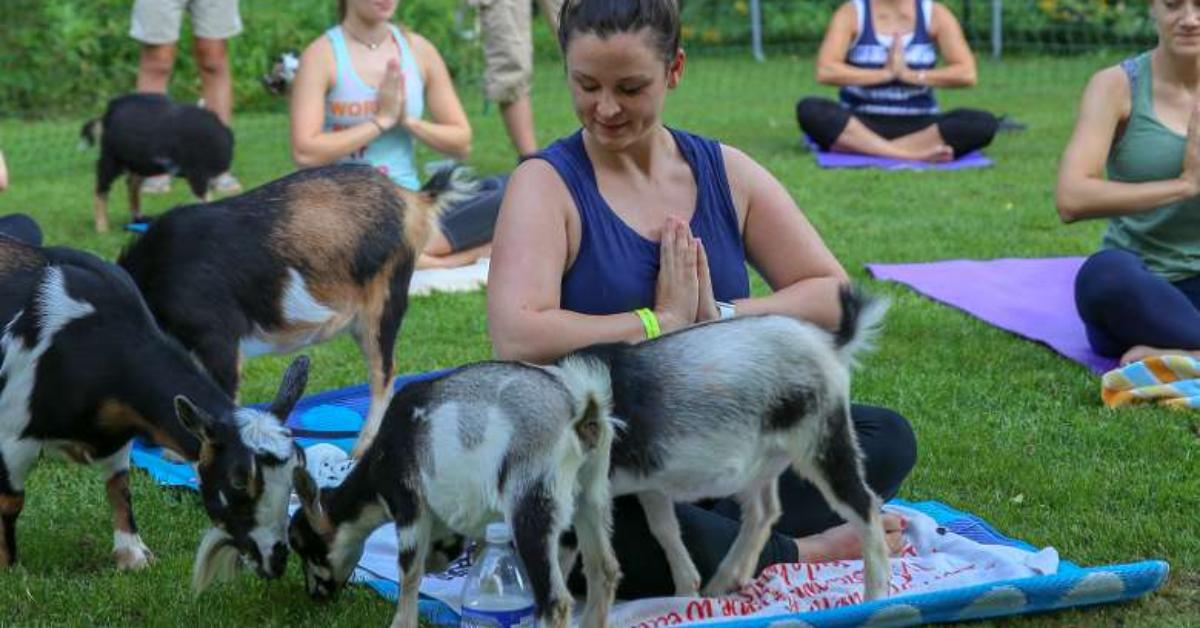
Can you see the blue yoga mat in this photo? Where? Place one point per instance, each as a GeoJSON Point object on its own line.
{"type": "Point", "coordinates": [333, 416]}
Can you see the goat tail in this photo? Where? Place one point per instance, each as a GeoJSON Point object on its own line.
{"type": "Point", "coordinates": [862, 317]}
{"type": "Point", "coordinates": [594, 428]}
{"type": "Point", "coordinates": [449, 185]}
{"type": "Point", "coordinates": [89, 135]}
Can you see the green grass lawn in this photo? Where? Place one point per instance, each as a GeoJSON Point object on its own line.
{"type": "Point", "coordinates": [1007, 429]}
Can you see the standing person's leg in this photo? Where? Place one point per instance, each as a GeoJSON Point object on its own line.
{"type": "Point", "coordinates": [508, 67]}
{"type": "Point", "coordinates": [214, 22]}
{"type": "Point", "coordinates": [156, 24]}
{"type": "Point", "coordinates": [1131, 312]}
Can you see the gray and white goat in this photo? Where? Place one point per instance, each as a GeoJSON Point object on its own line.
{"type": "Point", "coordinates": [722, 409]}
{"type": "Point", "coordinates": [494, 440]}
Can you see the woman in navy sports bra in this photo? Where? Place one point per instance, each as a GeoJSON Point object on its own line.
{"type": "Point", "coordinates": [883, 55]}
{"type": "Point", "coordinates": [627, 219]}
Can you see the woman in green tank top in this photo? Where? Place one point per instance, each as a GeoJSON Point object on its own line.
{"type": "Point", "coordinates": [1134, 159]}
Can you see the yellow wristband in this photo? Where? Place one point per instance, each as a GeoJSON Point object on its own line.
{"type": "Point", "coordinates": [649, 322]}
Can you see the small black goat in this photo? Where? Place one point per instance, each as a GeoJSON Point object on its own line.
{"type": "Point", "coordinates": [496, 440]}
{"type": "Point", "coordinates": [721, 409]}
{"type": "Point", "coordinates": [147, 134]}
{"type": "Point", "coordinates": [84, 369]}
{"type": "Point", "coordinates": [290, 264]}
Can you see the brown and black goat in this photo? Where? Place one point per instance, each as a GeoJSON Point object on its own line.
{"type": "Point", "coordinates": [84, 369]}
{"type": "Point", "coordinates": [290, 264]}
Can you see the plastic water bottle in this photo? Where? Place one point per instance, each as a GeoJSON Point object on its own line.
{"type": "Point", "coordinates": [497, 593]}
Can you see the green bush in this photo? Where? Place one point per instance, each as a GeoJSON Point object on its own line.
{"type": "Point", "coordinates": [71, 57]}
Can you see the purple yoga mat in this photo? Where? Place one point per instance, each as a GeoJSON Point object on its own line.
{"type": "Point", "coordinates": [1033, 298]}
{"type": "Point", "coordinates": [974, 159]}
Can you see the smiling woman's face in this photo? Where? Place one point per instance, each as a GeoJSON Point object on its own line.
{"type": "Point", "coordinates": [1178, 24]}
{"type": "Point", "coordinates": [618, 85]}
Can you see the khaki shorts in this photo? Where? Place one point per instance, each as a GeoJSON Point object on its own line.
{"type": "Point", "coordinates": [158, 21]}
{"type": "Point", "coordinates": [508, 45]}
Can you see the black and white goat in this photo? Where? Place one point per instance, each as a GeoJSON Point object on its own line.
{"type": "Point", "coordinates": [290, 264]}
{"type": "Point", "coordinates": [493, 440]}
{"type": "Point", "coordinates": [722, 409]}
{"type": "Point", "coordinates": [84, 369]}
{"type": "Point", "coordinates": [147, 134]}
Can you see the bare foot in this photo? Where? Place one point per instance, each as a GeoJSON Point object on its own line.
{"type": "Point", "coordinates": [1141, 352]}
{"type": "Point", "coordinates": [843, 543]}
{"type": "Point", "coordinates": [937, 154]}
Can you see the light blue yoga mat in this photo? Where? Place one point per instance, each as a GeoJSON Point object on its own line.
{"type": "Point", "coordinates": [334, 416]}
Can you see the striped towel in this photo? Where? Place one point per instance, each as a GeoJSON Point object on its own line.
{"type": "Point", "coordinates": [1169, 380]}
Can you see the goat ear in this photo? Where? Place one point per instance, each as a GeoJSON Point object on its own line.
{"type": "Point", "coordinates": [306, 487]}
{"type": "Point", "coordinates": [291, 388]}
{"type": "Point", "coordinates": [194, 419]}
{"type": "Point", "coordinates": [310, 501]}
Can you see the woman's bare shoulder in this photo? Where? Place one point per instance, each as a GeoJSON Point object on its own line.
{"type": "Point", "coordinates": [1111, 84]}
{"type": "Point", "coordinates": [536, 180]}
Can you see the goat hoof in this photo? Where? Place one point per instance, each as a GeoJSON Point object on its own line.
{"type": "Point", "coordinates": [133, 558]}
{"type": "Point", "coordinates": [720, 586]}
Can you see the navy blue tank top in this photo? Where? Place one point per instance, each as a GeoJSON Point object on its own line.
{"type": "Point", "coordinates": [616, 269]}
{"type": "Point", "coordinates": [871, 50]}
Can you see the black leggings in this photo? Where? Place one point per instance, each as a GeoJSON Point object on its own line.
{"type": "Point", "coordinates": [470, 223]}
{"type": "Point", "coordinates": [889, 453]}
{"type": "Point", "coordinates": [21, 227]}
{"type": "Point", "coordinates": [964, 130]}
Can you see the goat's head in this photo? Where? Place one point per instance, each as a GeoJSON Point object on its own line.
{"type": "Point", "coordinates": [245, 470]}
{"type": "Point", "coordinates": [279, 80]}
{"type": "Point", "coordinates": [310, 535]}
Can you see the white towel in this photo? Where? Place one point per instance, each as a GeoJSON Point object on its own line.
{"type": "Point", "coordinates": [932, 559]}
{"type": "Point", "coordinates": [462, 279]}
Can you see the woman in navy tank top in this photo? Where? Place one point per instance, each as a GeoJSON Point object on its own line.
{"type": "Point", "coordinates": [627, 220]}
{"type": "Point", "coordinates": [883, 55]}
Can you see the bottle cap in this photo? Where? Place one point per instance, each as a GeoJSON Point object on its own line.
{"type": "Point", "coordinates": [498, 533]}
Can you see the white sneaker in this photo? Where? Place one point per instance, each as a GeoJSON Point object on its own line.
{"type": "Point", "coordinates": [157, 184]}
{"type": "Point", "coordinates": [225, 183]}
{"type": "Point", "coordinates": [327, 464]}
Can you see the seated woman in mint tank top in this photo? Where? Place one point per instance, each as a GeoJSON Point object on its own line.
{"type": "Point", "coordinates": [628, 214]}
{"type": "Point", "coordinates": [360, 95]}
{"type": "Point", "coordinates": [1135, 159]}
{"type": "Point", "coordinates": [883, 55]}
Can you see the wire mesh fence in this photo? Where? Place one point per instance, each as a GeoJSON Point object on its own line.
{"type": "Point", "coordinates": [1043, 40]}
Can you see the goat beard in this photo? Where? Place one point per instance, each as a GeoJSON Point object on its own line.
{"type": "Point", "coordinates": [216, 560]}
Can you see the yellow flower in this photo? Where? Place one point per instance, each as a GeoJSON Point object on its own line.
{"type": "Point", "coordinates": [741, 8]}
